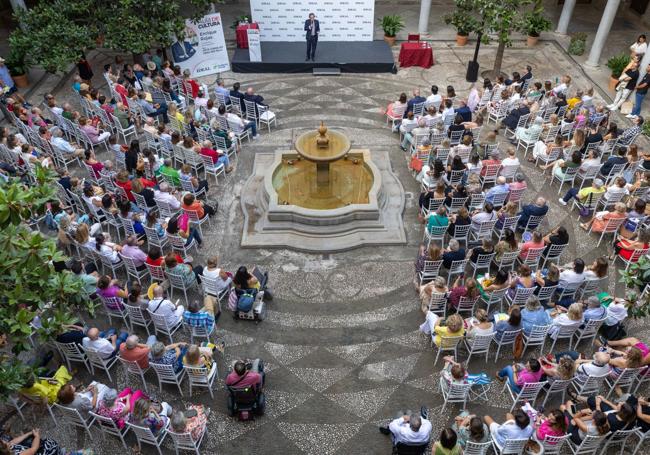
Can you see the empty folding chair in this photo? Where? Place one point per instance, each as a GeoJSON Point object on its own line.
{"type": "Point", "coordinates": [132, 368]}
{"type": "Point", "coordinates": [167, 374]}
{"type": "Point", "coordinates": [108, 426]}
{"type": "Point", "coordinates": [73, 417]}
{"type": "Point", "coordinates": [97, 361]}
{"type": "Point", "coordinates": [536, 337]}
{"type": "Point", "coordinates": [454, 393]}
{"type": "Point", "coordinates": [202, 377]}
{"type": "Point", "coordinates": [528, 393]}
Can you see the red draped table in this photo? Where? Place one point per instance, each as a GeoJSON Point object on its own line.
{"type": "Point", "coordinates": [242, 34]}
{"type": "Point", "coordinates": [416, 54]}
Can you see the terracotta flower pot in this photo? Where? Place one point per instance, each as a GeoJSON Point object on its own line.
{"type": "Point", "coordinates": [532, 41]}
{"type": "Point", "coordinates": [461, 40]}
{"type": "Point", "coordinates": [21, 81]}
{"type": "Point", "coordinates": [390, 40]}
{"type": "Point", "coordinates": [613, 81]}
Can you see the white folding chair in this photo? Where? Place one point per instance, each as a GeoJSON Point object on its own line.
{"type": "Point", "coordinates": [435, 234]}
{"type": "Point", "coordinates": [112, 307]}
{"type": "Point", "coordinates": [553, 445]}
{"type": "Point", "coordinates": [532, 257]}
{"type": "Point", "coordinates": [636, 255]}
{"type": "Point", "coordinates": [145, 436]}
{"type": "Point", "coordinates": [132, 368]}
{"type": "Point", "coordinates": [643, 440]}
{"type": "Point", "coordinates": [71, 352]}
{"type": "Point", "coordinates": [476, 448]}
{"type": "Point", "coordinates": [556, 386]}
{"type": "Point", "coordinates": [185, 441]}
{"type": "Point", "coordinates": [161, 324]}
{"type": "Point", "coordinates": [71, 416]}
{"type": "Point", "coordinates": [456, 268]}
{"type": "Point", "coordinates": [618, 438]}
{"type": "Point", "coordinates": [467, 305]}
{"type": "Point", "coordinates": [97, 361]}
{"type": "Point", "coordinates": [536, 337]}
{"type": "Point", "coordinates": [482, 263]}
{"type": "Point", "coordinates": [565, 332]}
{"type": "Point", "coordinates": [132, 270]}
{"type": "Point", "coordinates": [625, 380]}
{"type": "Point", "coordinates": [178, 244]}
{"type": "Point", "coordinates": [553, 254]}
{"type": "Point", "coordinates": [588, 446]}
{"type": "Point", "coordinates": [447, 344]}
{"type": "Point", "coordinates": [454, 393]}
{"type": "Point", "coordinates": [430, 270]}
{"type": "Point", "coordinates": [195, 220]}
{"type": "Point", "coordinates": [265, 116]}
{"type": "Point", "coordinates": [588, 332]}
{"type": "Point", "coordinates": [507, 339]}
{"type": "Point", "coordinates": [528, 393]}
{"type": "Point", "coordinates": [493, 298]}
{"type": "Point", "coordinates": [201, 377]}
{"type": "Point", "coordinates": [168, 375]}
{"type": "Point", "coordinates": [212, 169]}
{"type": "Point", "coordinates": [136, 316]}
{"type": "Point", "coordinates": [484, 230]}
{"type": "Point", "coordinates": [478, 344]}
{"type": "Point", "coordinates": [511, 446]}
{"type": "Point", "coordinates": [590, 386]}
{"type": "Point", "coordinates": [507, 260]}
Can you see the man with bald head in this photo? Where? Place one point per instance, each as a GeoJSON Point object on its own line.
{"type": "Point", "coordinates": [107, 344]}
{"type": "Point", "coordinates": [173, 312]}
{"type": "Point", "coordinates": [501, 187]}
{"type": "Point", "coordinates": [138, 352]}
{"type": "Point", "coordinates": [538, 208]}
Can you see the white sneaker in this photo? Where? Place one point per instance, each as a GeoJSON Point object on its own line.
{"type": "Point", "coordinates": [630, 116]}
{"type": "Point", "coordinates": [561, 201]}
{"type": "Point", "coordinates": [256, 137]}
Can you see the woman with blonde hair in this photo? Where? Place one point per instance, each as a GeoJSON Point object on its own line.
{"type": "Point", "coordinates": [562, 317]}
{"type": "Point", "coordinates": [564, 369]}
{"type": "Point", "coordinates": [507, 211]}
{"type": "Point", "coordinates": [198, 356]}
{"type": "Point", "coordinates": [438, 286]}
{"type": "Point", "coordinates": [599, 221]}
{"type": "Point", "coordinates": [434, 253]}
{"type": "Point", "coordinates": [479, 324]}
{"type": "Point", "coordinates": [453, 327]}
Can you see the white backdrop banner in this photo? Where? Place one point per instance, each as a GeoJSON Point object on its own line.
{"type": "Point", "coordinates": [203, 51]}
{"type": "Point", "coordinates": [340, 20]}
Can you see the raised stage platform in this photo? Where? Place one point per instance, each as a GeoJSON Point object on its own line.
{"type": "Point", "coordinates": [289, 57]}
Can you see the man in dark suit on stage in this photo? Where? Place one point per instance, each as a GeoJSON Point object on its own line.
{"type": "Point", "coordinates": [312, 27]}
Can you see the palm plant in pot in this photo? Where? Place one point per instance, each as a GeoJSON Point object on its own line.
{"type": "Point", "coordinates": [533, 23]}
{"type": "Point", "coordinates": [463, 22]}
{"type": "Point", "coordinates": [637, 279]}
{"type": "Point", "coordinates": [617, 64]}
{"type": "Point", "coordinates": [392, 25]}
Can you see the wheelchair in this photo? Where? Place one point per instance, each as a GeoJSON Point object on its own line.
{"type": "Point", "coordinates": [402, 448]}
{"type": "Point", "coordinates": [246, 402]}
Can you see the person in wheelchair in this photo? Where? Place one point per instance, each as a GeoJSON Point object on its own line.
{"type": "Point", "coordinates": [245, 383]}
{"type": "Point", "coordinates": [252, 282]}
{"type": "Point", "coordinates": [409, 428]}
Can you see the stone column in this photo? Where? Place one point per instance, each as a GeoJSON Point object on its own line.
{"type": "Point", "coordinates": [603, 30]}
{"type": "Point", "coordinates": [643, 64]}
{"type": "Point", "coordinates": [425, 9]}
{"type": "Point", "coordinates": [565, 17]}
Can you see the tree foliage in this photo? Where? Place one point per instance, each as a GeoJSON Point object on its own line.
{"type": "Point", "coordinates": [29, 285]}
{"type": "Point", "coordinates": [56, 32]}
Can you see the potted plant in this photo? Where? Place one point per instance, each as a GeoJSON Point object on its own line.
{"type": "Point", "coordinates": [391, 25]}
{"type": "Point", "coordinates": [533, 23]}
{"type": "Point", "coordinates": [463, 22]}
{"type": "Point", "coordinates": [617, 64]}
{"type": "Point", "coordinates": [578, 43]}
{"type": "Point", "coordinates": [17, 60]}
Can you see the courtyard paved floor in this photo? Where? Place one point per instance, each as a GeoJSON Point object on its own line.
{"type": "Point", "coordinates": [341, 345]}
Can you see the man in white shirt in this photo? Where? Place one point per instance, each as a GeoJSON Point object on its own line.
{"type": "Point", "coordinates": [107, 344]}
{"type": "Point", "coordinates": [236, 123]}
{"type": "Point", "coordinates": [66, 147]}
{"type": "Point", "coordinates": [598, 366]}
{"type": "Point", "coordinates": [434, 99]}
{"type": "Point", "coordinates": [409, 429]}
{"type": "Point", "coordinates": [159, 305]}
{"type": "Point", "coordinates": [165, 194]}
{"type": "Point", "coordinates": [408, 124]}
{"type": "Point", "coordinates": [575, 276]}
{"type": "Point", "coordinates": [563, 86]}
{"type": "Point", "coordinates": [432, 117]}
{"type": "Point", "coordinates": [516, 426]}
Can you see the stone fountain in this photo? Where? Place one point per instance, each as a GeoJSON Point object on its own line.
{"type": "Point", "coordinates": [323, 196]}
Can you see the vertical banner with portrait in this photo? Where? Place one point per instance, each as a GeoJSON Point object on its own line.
{"type": "Point", "coordinates": [203, 49]}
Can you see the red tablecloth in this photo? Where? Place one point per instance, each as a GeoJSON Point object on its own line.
{"type": "Point", "coordinates": [414, 54]}
{"type": "Point", "coordinates": [242, 34]}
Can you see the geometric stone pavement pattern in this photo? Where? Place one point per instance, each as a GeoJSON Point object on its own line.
{"type": "Point", "coordinates": [341, 344]}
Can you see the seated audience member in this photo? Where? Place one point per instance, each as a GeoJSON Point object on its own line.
{"type": "Point", "coordinates": [516, 426]}
{"type": "Point", "coordinates": [554, 424]}
{"type": "Point", "coordinates": [45, 388]}
{"type": "Point", "coordinates": [564, 369]}
{"type": "Point", "coordinates": [565, 318]}
{"type": "Point", "coordinates": [453, 327]}
{"type": "Point", "coordinates": [408, 429]}
{"type": "Point", "coordinates": [594, 309]}
{"type": "Point", "coordinates": [118, 407]}
{"type": "Point", "coordinates": [201, 316]}
{"type": "Point", "coordinates": [600, 220]}
{"type": "Point", "coordinates": [483, 216]}
{"type": "Point", "coordinates": [190, 202]}
{"type": "Point", "coordinates": [159, 305]}
{"type": "Point", "coordinates": [478, 325]}
{"type": "Point", "coordinates": [471, 428]}
{"type": "Point", "coordinates": [107, 344]}
{"type": "Point", "coordinates": [452, 253]}
{"type": "Point", "coordinates": [533, 314]}
{"type": "Point", "coordinates": [135, 351]}
{"type": "Point", "coordinates": [625, 248]}
{"type": "Point", "coordinates": [536, 241]}
{"type": "Point", "coordinates": [83, 399]}
{"type": "Point", "coordinates": [512, 323]}
{"type": "Point", "coordinates": [437, 218]}
{"type": "Point", "coordinates": [467, 289]}
{"type": "Point", "coordinates": [152, 415]}
{"type": "Point", "coordinates": [585, 195]}
{"type": "Point", "coordinates": [448, 443]}
{"type": "Point", "coordinates": [538, 208]}
{"type": "Point", "coordinates": [501, 187]}
{"type": "Point", "coordinates": [198, 357]}
{"type": "Point", "coordinates": [438, 287]}
{"type": "Point", "coordinates": [486, 247]}
{"type": "Point", "coordinates": [461, 218]}
{"type": "Point", "coordinates": [171, 354]}
{"type": "Point", "coordinates": [632, 342]}
{"type": "Point", "coordinates": [518, 375]}
{"type": "Point", "coordinates": [246, 375]}
{"type": "Point", "coordinates": [619, 416]}
{"type": "Point", "coordinates": [194, 425]}
{"type": "Point", "coordinates": [585, 422]}
{"type": "Point", "coordinates": [573, 276]}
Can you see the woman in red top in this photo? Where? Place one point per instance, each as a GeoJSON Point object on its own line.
{"type": "Point", "coordinates": [155, 257]}
{"type": "Point", "coordinates": [92, 162]}
{"type": "Point", "coordinates": [536, 242]}
{"type": "Point", "coordinates": [122, 180]}
{"type": "Point", "coordinates": [625, 248]}
{"type": "Point", "coordinates": [599, 222]}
